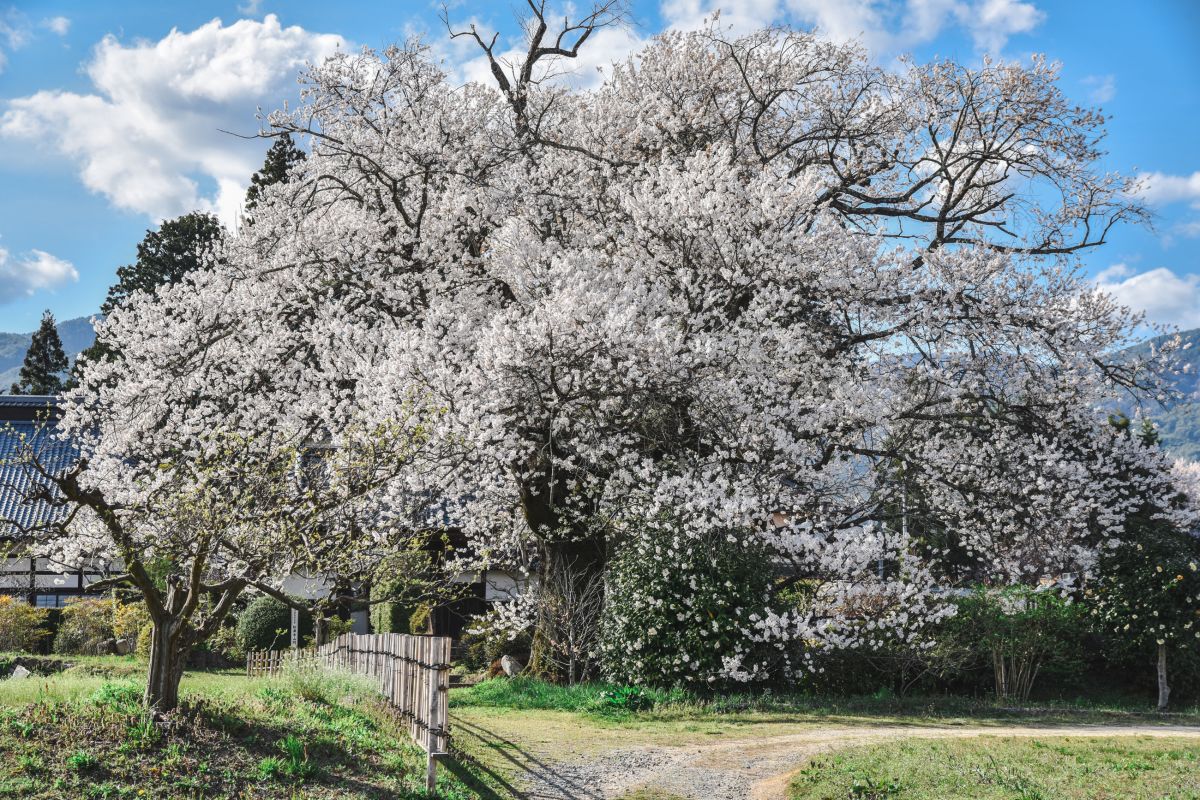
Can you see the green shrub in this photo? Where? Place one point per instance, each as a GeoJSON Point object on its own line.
{"type": "Point", "coordinates": [483, 648]}
{"type": "Point", "coordinates": [418, 621]}
{"type": "Point", "coordinates": [22, 627]}
{"type": "Point", "coordinates": [1021, 633]}
{"type": "Point", "coordinates": [265, 625]}
{"type": "Point", "coordinates": [129, 620]}
{"type": "Point", "coordinates": [682, 611]}
{"type": "Point", "coordinates": [85, 624]}
{"type": "Point", "coordinates": [623, 699]}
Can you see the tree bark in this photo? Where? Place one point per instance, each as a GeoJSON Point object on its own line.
{"type": "Point", "coordinates": [582, 559]}
{"type": "Point", "coordinates": [167, 660]}
{"type": "Point", "coordinates": [1164, 691]}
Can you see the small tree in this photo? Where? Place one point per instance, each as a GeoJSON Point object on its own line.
{"type": "Point", "coordinates": [1148, 595]}
{"type": "Point", "coordinates": [1019, 631]}
{"type": "Point", "coordinates": [195, 532]}
{"type": "Point", "coordinates": [45, 362]}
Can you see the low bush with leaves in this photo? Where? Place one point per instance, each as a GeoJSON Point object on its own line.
{"type": "Point", "coordinates": [22, 627]}
{"type": "Point", "coordinates": [622, 699]}
{"type": "Point", "coordinates": [84, 625]}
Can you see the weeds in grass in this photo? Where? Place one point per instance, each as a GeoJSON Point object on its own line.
{"type": "Point", "coordinates": [622, 700]}
{"type": "Point", "coordinates": [30, 765]}
{"type": "Point", "coordinates": [82, 761]}
{"type": "Point", "coordinates": [143, 733]}
{"type": "Point", "coordinates": [870, 789]}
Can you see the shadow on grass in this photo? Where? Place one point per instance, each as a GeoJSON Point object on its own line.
{"type": "Point", "coordinates": [532, 769]}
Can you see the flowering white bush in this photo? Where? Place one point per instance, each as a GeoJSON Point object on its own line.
{"type": "Point", "coordinates": [714, 609]}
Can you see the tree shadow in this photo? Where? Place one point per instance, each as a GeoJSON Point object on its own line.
{"type": "Point", "coordinates": [536, 771]}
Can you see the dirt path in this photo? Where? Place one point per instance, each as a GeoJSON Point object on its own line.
{"type": "Point", "coordinates": [758, 768]}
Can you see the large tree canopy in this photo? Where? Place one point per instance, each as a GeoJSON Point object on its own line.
{"type": "Point", "coordinates": [754, 287]}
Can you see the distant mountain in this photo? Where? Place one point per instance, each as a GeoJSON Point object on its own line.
{"type": "Point", "coordinates": [1179, 421]}
{"type": "Point", "coordinates": [77, 335]}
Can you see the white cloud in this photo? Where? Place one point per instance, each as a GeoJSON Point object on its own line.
{"type": "Point", "coordinates": [59, 25]}
{"type": "Point", "coordinates": [1101, 88]}
{"type": "Point", "coordinates": [14, 33]}
{"type": "Point", "coordinates": [1165, 297]}
{"type": "Point", "coordinates": [1159, 188]}
{"type": "Point", "coordinates": [21, 277]}
{"type": "Point", "coordinates": [250, 8]}
{"type": "Point", "coordinates": [993, 21]}
{"type": "Point", "coordinates": [150, 138]}
{"type": "Point", "coordinates": [885, 27]}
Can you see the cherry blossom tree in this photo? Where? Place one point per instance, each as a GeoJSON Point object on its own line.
{"type": "Point", "coordinates": [733, 288]}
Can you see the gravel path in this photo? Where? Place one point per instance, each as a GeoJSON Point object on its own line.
{"type": "Point", "coordinates": [754, 769]}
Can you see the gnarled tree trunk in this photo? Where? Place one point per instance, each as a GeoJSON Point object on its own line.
{"type": "Point", "coordinates": [167, 660]}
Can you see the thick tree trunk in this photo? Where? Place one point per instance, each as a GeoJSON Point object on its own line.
{"type": "Point", "coordinates": [167, 660]}
{"type": "Point", "coordinates": [582, 560]}
{"type": "Point", "coordinates": [1164, 691]}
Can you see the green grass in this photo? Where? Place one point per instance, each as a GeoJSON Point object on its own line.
{"type": "Point", "coordinates": [1007, 767]}
{"type": "Point", "coordinates": [305, 736]}
{"type": "Point", "coordinates": [529, 694]}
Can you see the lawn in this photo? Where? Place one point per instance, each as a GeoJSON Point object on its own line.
{"type": "Point", "coordinates": [81, 733]}
{"type": "Point", "coordinates": [1007, 767]}
{"type": "Point", "coordinates": [299, 736]}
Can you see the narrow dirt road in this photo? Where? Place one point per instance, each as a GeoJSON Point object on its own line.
{"type": "Point", "coordinates": [758, 768]}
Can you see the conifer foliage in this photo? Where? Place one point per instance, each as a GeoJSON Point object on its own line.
{"type": "Point", "coordinates": [44, 363]}
{"type": "Point", "coordinates": [282, 156]}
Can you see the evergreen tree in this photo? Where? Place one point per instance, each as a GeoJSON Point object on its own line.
{"type": "Point", "coordinates": [44, 363]}
{"type": "Point", "coordinates": [164, 256]}
{"type": "Point", "coordinates": [282, 156]}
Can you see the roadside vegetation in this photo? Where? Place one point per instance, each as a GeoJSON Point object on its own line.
{"type": "Point", "coordinates": [1007, 767]}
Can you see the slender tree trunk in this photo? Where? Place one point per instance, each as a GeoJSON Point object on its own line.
{"type": "Point", "coordinates": [167, 660]}
{"type": "Point", "coordinates": [320, 629]}
{"type": "Point", "coordinates": [1164, 691]}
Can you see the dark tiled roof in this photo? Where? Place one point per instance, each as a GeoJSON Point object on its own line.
{"type": "Point", "coordinates": [16, 479]}
{"type": "Point", "coordinates": [28, 400]}
{"type": "Point", "coordinates": [27, 406]}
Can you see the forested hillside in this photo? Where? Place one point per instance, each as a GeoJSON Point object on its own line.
{"type": "Point", "coordinates": [1179, 421]}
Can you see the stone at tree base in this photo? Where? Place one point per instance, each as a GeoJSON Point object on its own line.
{"type": "Point", "coordinates": [511, 666]}
{"type": "Point", "coordinates": [19, 674]}
{"type": "Point", "coordinates": [125, 646]}
{"type": "Point", "coordinates": [106, 647]}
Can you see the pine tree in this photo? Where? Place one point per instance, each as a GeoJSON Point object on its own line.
{"type": "Point", "coordinates": [44, 362]}
{"type": "Point", "coordinates": [164, 256]}
{"type": "Point", "coordinates": [282, 156]}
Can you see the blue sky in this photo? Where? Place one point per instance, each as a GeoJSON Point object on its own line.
{"type": "Point", "coordinates": [111, 114]}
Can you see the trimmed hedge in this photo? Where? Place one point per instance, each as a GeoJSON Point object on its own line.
{"type": "Point", "coordinates": [259, 626]}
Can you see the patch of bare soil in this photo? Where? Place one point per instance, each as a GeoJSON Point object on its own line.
{"type": "Point", "coordinates": [754, 767]}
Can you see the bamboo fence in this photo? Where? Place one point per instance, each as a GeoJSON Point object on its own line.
{"type": "Point", "coordinates": [413, 674]}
